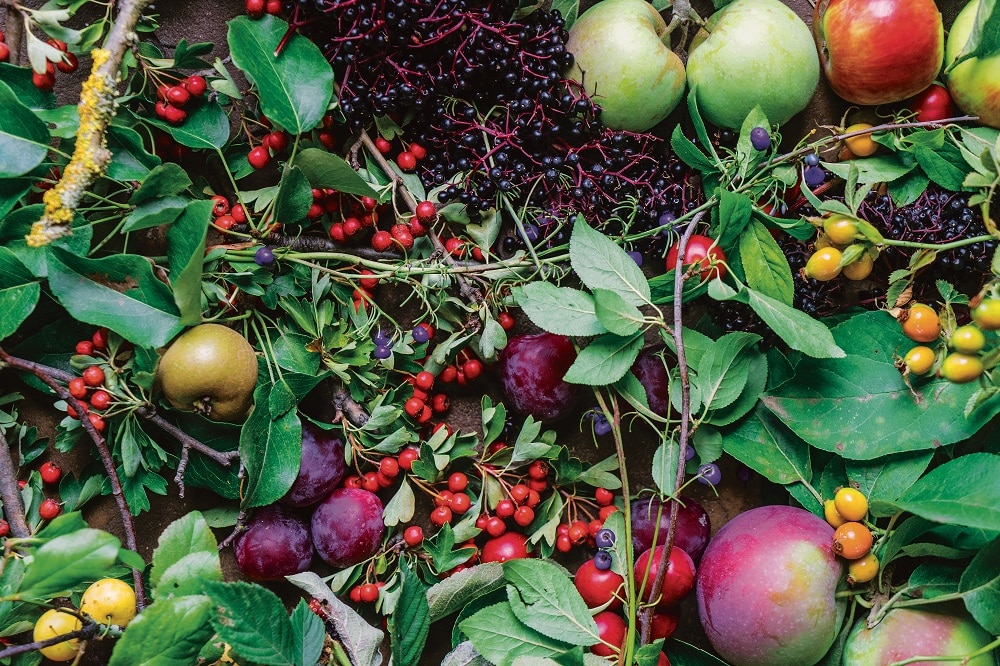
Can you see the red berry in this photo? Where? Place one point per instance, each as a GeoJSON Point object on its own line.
{"type": "Point", "coordinates": [382, 145]}
{"type": "Point", "coordinates": [519, 493]}
{"type": "Point", "coordinates": [351, 226]}
{"type": "Point", "coordinates": [424, 380]}
{"type": "Point", "coordinates": [93, 376]}
{"type": "Point", "coordinates": [277, 141]}
{"type": "Point", "coordinates": [370, 482]}
{"type": "Point", "coordinates": [458, 482]}
{"type": "Point", "coordinates": [68, 64]}
{"type": "Point", "coordinates": [506, 321]}
{"type": "Point", "coordinates": [44, 82]}
{"type": "Point", "coordinates": [441, 403]}
{"type": "Point", "coordinates": [381, 241]}
{"type": "Point", "coordinates": [407, 456]}
{"type": "Point", "coordinates": [413, 535]}
{"type": "Point", "coordinates": [220, 205]}
{"type": "Point", "coordinates": [49, 509]}
{"type": "Point", "coordinates": [505, 508]}
{"type": "Point", "coordinates": [389, 466]}
{"type": "Point", "coordinates": [368, 283]}
{"type": "Point", "coordinates": [418, 151]}
{"type": "Point", "coordinates": [368, 592]}
{"type": "Point", "coordinates": [239, 214]}
{"type": "Point", "coordinates": [495, 526]}
{"type": "Point", "coordinates": [382, 480]}
{"type": "Point", "coordinates": [274, 7]}
{"type": "Point", "coordinates": [4, 57]}
{"type": "Point", "coordinates": [85, 347]}
{"type": "Point", "coordinates": [355, 594]}
{"type": "Point", "coordinates": [578, 532]}
{"type": "Point", "coordinates": [455, 247]}
{"type": "Point", "coordinates": [259, 157]}
{"type": "Point", "coordinates": [449, 374]}
{"type": "Point", "coordinates": [57, 43]}
{"type": "Point", "coordinates": [524, 515]}
{"type": "Point", "coordinates": [538, 485]}
{"type": "Point", "coordinates": [50, 473]}
{"type": "Point", "coordinates": [563, 544]}
{"type": "Point", "coordinates": [440, 516]}
{"type": "Point", "coordinates": [96, 421]}
{"type": "Point", "coordinates": [100, 399]}
{"type": "Point", "coordinates": [225, 222]}
{"type": "Point", "coordinates": [178, 95]}
{"type": "Point", "coordinates": [352, 481]}
{"type": "Point", "coordinates": [77, 388]}
{"type": "Point", "coordinates": [174, 114]}
{"type": "Point", "coordinates": [100, 339]}
{"type": "Point", "coordinates": [460, 503]}
{"type": "Point", "coordinates": [406, 160]}
{"type": "Point", "coordinates": [538, 470]}
{"type": "Point", "coordinates": [4, 527]}
{"type": "Point", "coordinates": [315, 212]}
{"type": "Point", "coordinates": [426, 211]}
{"type": "Point", "coordinates": [413, 407]}
{"type": "Point", "coordinates": [337, 232]}
{"type": "Point", "coordinates": [327, 139]}
{"type": "Point", "coordinates": [533, 497]}
{"type": "Point", "coordinates": [604, 497]}
{"type": "Point", "coordinates": [472, 368]}
{"type": "Point", "coordinates": [401, 235]}
{"type": "Point", "coordinates": [606, 511]}
{"type": "Point", "coordinates": [196, 85]}
{"type": "Point", "coordinates": [368, 203]}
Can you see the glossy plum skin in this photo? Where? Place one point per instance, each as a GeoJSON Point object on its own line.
{"type": "Point", "coordinates": [906, 633]}
{"type": "Point", "coordinates": [321, 469]}
{"type": "Point", "coordinates": [766, 587]}
{"type": "Point", "coordinates": [693, 526]}
{"type": "Point", "coordinates": [651, 371]}
{"type": "Point", "coordinates": [531, 371]}
{"type": "Point", "coordinates": [347, 526]}
{"type": "Point", "coordinates": [275, 544]}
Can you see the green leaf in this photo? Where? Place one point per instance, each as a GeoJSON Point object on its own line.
{"type": "Point", "coordinates": [295, 86]}
{"type": "Point", "coordinates": [452, 593]}
{"type": "Point", "coordinates": [616, 314]}
{"type": "Point", "coordinates": [400, 508]}
{"type": "Point", "coordinates": [570, 10]}
{"type": "Point", "coordinates": [984, 38]}
{"type": "Point", "coordinates": [885, 479]}
{"type": "Point", "coordinates": [19, 80]}
{"type": "Point", "coordinates": [170, 632]}
{"type": "Point", "coordinates": [765, 445]}
{"type": "Point", "coordinates": [411, 620]}
{"type": "Point", "coordinates": [129, 299]}
{"type": "Point", "coordinates": [601, 264]}
{"type": "Point", "coordinates": [664, 469]}
{"type": "Point", "coordinates": [17, 304]}
{"type": "Point", "coordinates": [980, 587]}
{"type": "Point", "coordinates": [270, 448]}
{"type": "Point", "coordinates": [604, 360]}
{"type": "Point", "coordinates": [963, 491]}
{"type": "Point", "coordinates": [871, 170]}
{"type": "Point", "coordinates": [932, 579]}
{"type": "Point", "coordinates": [757, 374]}
{"type": "Point", "coordinates": [723, 370]}
{"type": "Point", "coordinates": [684, 654]}
{"type": "Point", "coordinates": [829, 402]}
{"type": "Point", "coordinates": [500, 637]}
{"type": "Point", "coordinates": [309, 635]}
{"type": "Point", "coordinates": [294, 196]}
{"type": "Point", "coordinates": [544, 598]}
{"type": "Point", "coordinates": [187, 555]}
{"type": "Point", "coordinates": [731, 217]}
{"type": "Point", "coordinates": [252, 619]}
{"type": "Point", "coordinates": [326, 170]}
{"type": "Point", "coordinates": [166, 180]}
{"type": "Point", "coordinates": [130, 161]}
{"type": "Point", "coordinates": [561, 310]}
{"type": "Point", "coordinates": [186, 256]}
{"type": "Point", "coordinates": [764, 263]}
{"type": "Point", "coordinates": [155, 212]}
{"type": "Point", "coordinates": [206, 128]}
{"type": "Point", "coordinates": [689, 153]}
{"type": "Point", "coordinates": [67, 561]}
{"type": "Point", "coordinates": [945, 165]}
{"type": "Point", "coordinates": [24, 139]}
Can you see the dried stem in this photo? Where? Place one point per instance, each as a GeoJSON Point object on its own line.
{"type": "Point", "coordinates": [88, 631]}
{"type": "Point", "coordinates": [346, 405]}
{"type": "Point", "coordinates": [13, 507]}
{"type": "Point", "coordinates": [317, 244]}
{"type": "Point", "coordinates": [102, 450]}
{"type": "Point", "coordinates": [91, 156]}
{"type": "Point", "coordinates": [14, 31]}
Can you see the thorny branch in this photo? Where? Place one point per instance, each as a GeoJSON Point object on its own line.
{"type": "Point", "coordinates": [102, 449]}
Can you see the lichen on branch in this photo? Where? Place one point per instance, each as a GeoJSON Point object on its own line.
{"type": "Point", "coordinates": [97, 107]}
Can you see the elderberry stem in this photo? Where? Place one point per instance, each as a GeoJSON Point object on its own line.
{"type": "Point", "coordinates": [942, 247]}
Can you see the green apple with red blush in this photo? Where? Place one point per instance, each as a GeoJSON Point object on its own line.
{"type": "Point", "coordinates": [905, 633]}
{"type": "Point", "coordinates": [974, 83]}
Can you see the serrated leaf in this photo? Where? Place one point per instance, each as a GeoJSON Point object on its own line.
{"type": "Point", "coordinates": [24, 139]}
{"type": "Point", "coordinates": [270, 448]}
{"type": "Point", "coordinates": [500, 637]}
{"type": "Point", "coordinates": [664, 469]}
{"type": "Point", "coordinates": [605, 360]}
{"type": "Point", "coordinates": [411, 620]}
{"type": "Point", "coordinates": [452, 593]}
{"type": "Point", "coordinates": [187, 555]}
{"type": "Point", "coordinates": [308, 633]}
{"type": "Point", "coordinates": [765, 445]}
{"type": "Point", "coordinates": [543, 597]}
{"type": "Point", "coordinates": [980, 587]}
{"type": "Point", "coordinates": [170, 632]}
{"type": "Point", "coordinates": [723, 370]}
{"type": "Point", "coordinates": [962, 491]}
{"type": "Point", "coordinates": [561, 310]}
{"type": "Point", "coordinates": [616, 314]}
{"type": "Point", "coordinates": [326, 170]}
{"type": "Point", "coordinates": [602, 264]}
{"type": "Point", "coordinates": [252, 619]}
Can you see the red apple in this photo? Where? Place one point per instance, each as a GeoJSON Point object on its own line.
{"type": "Point", "coordinates": [879, 51]}
{"type": "Point", "coordinates": [974, 83]}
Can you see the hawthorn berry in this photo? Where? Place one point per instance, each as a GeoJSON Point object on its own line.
{"type": "Point", "coordinates": [97, 421]}
{"type": "Point", "coordinates": [413, 536]}
{"type": "Point", "coordinates": [406, 161]}
{"type": "Point", "coordinates": [458, 482]}
{"type": "Point", "coordinates": [852, 540]}
{"type": "Point", "coordinates": [93, 376]}
{"type": "Point", "coordinates": [196, 85]}
{"type": "Point", "coordinates": [4, 528]}
{"type": "Point", "coordinates": [440, 516]}
{"type": "Point", "coordinates": [382, 145]}
{"type": "Point", "coordinates": [495, 526]}
{"type": "Point", "coordinates": [77, 388]}
{"type": "Point", "coordinates": [49, 509]}
{"type": "Point", "coordinates": [50, 473]}
{"type": "Point", "coordinates": [259, 157]}
{"type": "Point", "coordinates": [368, 592]}
{"type": "Point", "coordinates": [426, 211]}
{"type": "Point", "coordinates": [68, 64]}
{"type": "Point", "coordinates": [100, 339]}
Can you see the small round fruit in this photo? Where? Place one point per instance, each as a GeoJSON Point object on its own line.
{"type": "Point", "coordinates": [55, 622]}
{"type": "Point", "coordinates": [919, 360]}
{"type": "Point", "coordinates": [968, 339]}
{"type": "Point", "coordinates": [93, 376]}
{"type": "Point", "coordinates": [840, 229]}
{"type": "Point", "coordinates": [611, 628]}
{"type": "Point", "coordinates": [700, 250]}
{"type": "Point", "coordinates": [852, 541]}
{"type": "Point", "coordinates": [109, 601]}
{"type": "Point", "coordinates": [507, 546]}
{"type": "Point", "coordinates": [851, 503]}
{"type": "Point", "coordinates": [49, 509]}
{"type": "Point", "coordinates": [961, 368]}
{"type": "Point", "coordinates": [264, 256]}
{"type": "Point", "coordinates": [50, 473]}
{"type": "Point", "coordinates": [599, 587]}
{"type": "Point", "coordinates": [604, 538]}
{"type": "Point", "coordinates": [413, 536]}
{"type": "Point", "coordinates": [832, 515]}
{"type": "Point", "coordinates": [860, 268]}
{"type": "Point", "coordinates": [862, 570]}
{"type": "Point", "coordinates": [210, 369]}
{"type": "Point", "coordinates": [678, 582]}
{"type": "Point", "coordinates": [987, 314]}
{"type": "Point", "coordinates": [347, 526]}
{"type": "Point", "coordinates": [824, 264]}
{"type": "Point", "coordinates": [861, 145]}
{"type": "Point", "coordinates": [259, 157]}
{"type": "Point", "coordinates": [760, 139]}
{"type": "Point", "coordinates": [922, 323]}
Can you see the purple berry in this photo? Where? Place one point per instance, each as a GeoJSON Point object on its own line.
{"type": "Point", "coordinates": [759, 138]}
{"type": "Point", "coordinates": [264, 256]}
{"type": "Point", "coordinates": [689, 453]}
{"type": "Point", "coordinates": [382, 353]}
{"type": "Point", "coordinates": [814, 176]}
{"type": "Point", "coordinates": [812, 159]}
{"type": "Point", "coordinates": [666, 223]}
{"type": "Point", "coordinates": [420, 334]}
{"type": "Point", "coordinates": [604, 538]}
{"type": "Point", "coordinates": [531, 233]}
{"type": "Point", "coordinates": [382, 339]}
{"type": "Point", "coordinates": [636, 257]}
{"type": "Point", "coordinates": [602, 560]}
{"type": "Point", "coordinates": [601, 425]}
{"type": "Point", "coordinates": [710, 474]}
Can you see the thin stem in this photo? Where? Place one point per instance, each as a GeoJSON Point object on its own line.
{"type": "Point", "coordinates": [940, 247]}
{"type": "Point", "coordinates": [965, 659]}
{"type": "Point", "coordinates": [86, 632]}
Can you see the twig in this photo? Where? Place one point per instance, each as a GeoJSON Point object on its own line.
{"type": "Point", "coordinates": [346, 405]}
{"type": "Point", "coordinates": [685, 433]}
{"type": "Point", "coordinates": [15, 32]}
{"type": "Point", "coordinates": [88, 631]}
{"type": "Point", "coordinates": [13, 507]}
{"type": "Point", "coordinates": [317, 244]}
{"type": "Point", "coordinates": [224, 458]}
{"type": "Point", "coordinates": [91, 156]}
{"type": "Point", "coordinates": [102, 450]}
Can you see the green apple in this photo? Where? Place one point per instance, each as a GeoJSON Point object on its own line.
{"type": "Point", "coordinates": [904, 633]}
{"type": "Point", "coordinates": [974, 84]}
{"type": "Point", "coordinates": [622, 57]}
{"type": "Point", "coordinates": [752, 52]}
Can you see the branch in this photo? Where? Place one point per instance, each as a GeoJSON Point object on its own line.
{"type": "Point", "coordinates": [88, 631]}
{"type": "Point", "coordinates": [91, 156]}
{"type": "Point", "coordinates": [102, 449]}
{"type": "Point", "coordinates": [13, 507]}
{"type": "Point", "coordinates": [15, 31]}
{"type": "Point", "coordinates": [346, 405]}
{"type": "Point", "coordinates": [316, 244]}
{"type": "Point", "coordinates": [224, 458]}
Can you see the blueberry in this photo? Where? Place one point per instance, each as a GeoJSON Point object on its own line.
{"type": "Point", "coordinates": [602, 560]}
{"type": "Point", "coordinates": [689, 453]}
{"type": "Point", "coordinates": [604, 538]}
{"type": "Point", "coordinates": [531, 233]}
{"type": "Point", "coordinates": [666, 223]}
{"type": "Point", "coordinates": [759, 138]}
{"type": "Point", "coordinates": [420, 334]}
{"type": "Point", "coordinates": [382, 352]}
{"type": "Point", "coordinates": [814, 176]}
{"type": "Point", "coordinates": [636, 257]}
{"type": "Point", "coordinates": [264, 256]}
{"type": "Point", "coordinates": [812, 159]}
{"type": "Point", "coordinates": [709, 474]}
{"type": "Point", "coordinates": [601, 425]}
{"type": "Point", "coordinates": [382, 339]}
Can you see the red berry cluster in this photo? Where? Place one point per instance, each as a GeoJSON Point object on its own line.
{"type": "Point", "coordinates": [172, 99]}
{"type": "Point", "coordinates": [257, 8]}
{"type": "Point", "coordinates": [465, 369]}
{"type": "Point", "coordinates": [407, 158]}
{"type": "Point", "coordinates": [272, 143]}
{"type": "Point", "coordinates": [67, 64]}
{"type": "Point", "coordinates": [89, 387]}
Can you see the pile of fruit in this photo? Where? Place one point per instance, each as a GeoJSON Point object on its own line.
{"type": "Point", "coordinates": [462, 317]}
